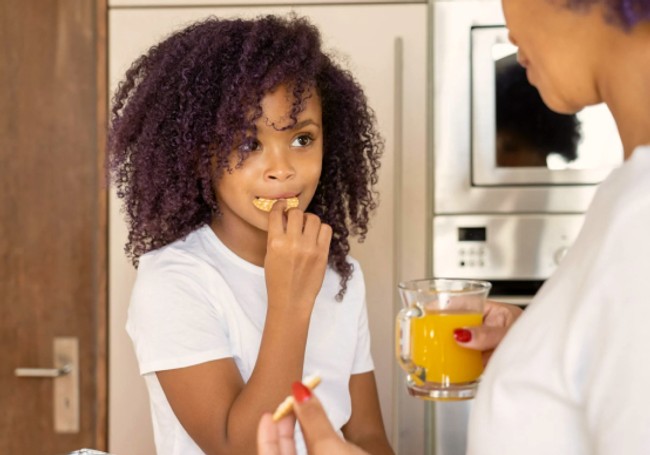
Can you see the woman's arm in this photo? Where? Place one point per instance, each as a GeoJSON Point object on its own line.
{"type": "Point", "coordinates": [366, 427]}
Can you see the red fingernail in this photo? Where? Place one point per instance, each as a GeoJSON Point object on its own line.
{"type": "Point", "coordinates": [462, 335]}
{"type": "Point", "coordinates": [301, 392]}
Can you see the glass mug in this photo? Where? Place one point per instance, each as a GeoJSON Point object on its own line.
{"type": "Point", "coordinates": [438, 368]}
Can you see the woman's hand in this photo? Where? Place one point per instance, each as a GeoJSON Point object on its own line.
{"type": "Point", "coordinates": [296, 257]}
{"type": "Point", "coordinates": [497, 319]}
{"type": "Point", "coordinates": [276, 438]}
{"type": "Point", "coordinates": [320, 437]}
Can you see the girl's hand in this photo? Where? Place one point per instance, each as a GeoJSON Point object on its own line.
{"type": "Point", "coordinates": [497, 320]}
{"type": "Point", "coordinates": [296, 258]}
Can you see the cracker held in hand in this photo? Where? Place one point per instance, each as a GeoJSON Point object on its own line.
{"type": "Point", "coordinates": [267, 204]}
{"type": "Point", "coordinates": [286, 407]}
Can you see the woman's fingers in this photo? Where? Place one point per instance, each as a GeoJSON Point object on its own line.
{"type": "Point", "coordinates": [497, 320]}
{"type": "Point", "coordinates": [268, 440]}
{"type": "Point", "coordinates": [500, 314]}
{"type": "Point", "coordinates": [275, 438]}
{"type": "Point", "coordinates": [314, 422]}
{"type": "Point", "coordinates": [286, 427]}
{"type": "Point", "coordinates": [482, 338]}
{"type": "Point", "coordinates": [320, 437]}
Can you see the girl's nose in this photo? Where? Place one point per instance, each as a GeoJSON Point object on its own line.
{"type": "Point", "coordinates": [279, 166]}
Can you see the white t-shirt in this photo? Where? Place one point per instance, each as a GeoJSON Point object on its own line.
{"type": "Point", "coordinates": [572, 376]}
{"type": "Point", "coordinates": [195, 301]}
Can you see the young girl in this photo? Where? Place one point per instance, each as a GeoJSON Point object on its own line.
{"type": "Point", "coordinates": [212, 128]}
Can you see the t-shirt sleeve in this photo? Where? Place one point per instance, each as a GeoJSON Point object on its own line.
{"type": "Point", "coordinates": [172, 320]}
{"type": "Point", "coordinates": [362, 357]}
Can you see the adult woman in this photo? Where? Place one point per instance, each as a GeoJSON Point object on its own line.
{"type": "Point", "coordinates": [571, 377]}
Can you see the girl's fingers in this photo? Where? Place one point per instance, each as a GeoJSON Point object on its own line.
{"type": "Point", "coordinates": [311, 227]}
{"type": "Point", "coordinates": [295, 220]}
{"type": "Point", "coordinates": [325, 236]}
{"type": "Point", "coordinates": [276, 219]}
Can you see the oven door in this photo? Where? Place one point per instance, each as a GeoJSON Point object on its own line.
{"type": "Point", "coordinates": [517, 140]}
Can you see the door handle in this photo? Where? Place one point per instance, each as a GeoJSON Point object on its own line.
{"type": "Point", "coordinates": [43, 372]}
{"type": "Point", "coordinates": [65, 375]}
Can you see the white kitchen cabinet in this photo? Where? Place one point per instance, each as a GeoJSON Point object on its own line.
{"type": "Point", "coordinates": [384, 46]}
{"type": "Point", "coordinates": [257, 3]}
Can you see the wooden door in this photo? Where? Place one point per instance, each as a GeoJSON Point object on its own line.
{"type": "Point", "coordinates": [52, 219]}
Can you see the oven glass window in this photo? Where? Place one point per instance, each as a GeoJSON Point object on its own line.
{"type": "Point", "coordinates": [516, 139]}
{"type": "Point", "coordinates": [528, 134]}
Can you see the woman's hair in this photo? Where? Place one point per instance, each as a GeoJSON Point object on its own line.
{"type": "Point", "coordinates": [192, 99]}
{"type": "Point", "coordinates": [624, 13]}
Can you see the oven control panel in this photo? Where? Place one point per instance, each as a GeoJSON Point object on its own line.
{"type": "Point", "coordinates": [502, 246]}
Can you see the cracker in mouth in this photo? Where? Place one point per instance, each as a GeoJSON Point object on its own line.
{"type": "Point", "coordinates": [266, 205]}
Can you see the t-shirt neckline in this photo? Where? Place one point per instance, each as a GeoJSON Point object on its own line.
{"type": "Point", "coordinates": [214, 239]}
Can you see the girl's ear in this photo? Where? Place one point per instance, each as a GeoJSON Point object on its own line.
{"type": "Point", "coordinates": [210, 194]}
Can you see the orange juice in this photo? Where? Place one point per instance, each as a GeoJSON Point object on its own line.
{"type": "Point", "coordinates": [434, 348]}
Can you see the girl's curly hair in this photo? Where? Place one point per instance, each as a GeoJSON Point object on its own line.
{"type": "Point", "coordinates": [187, 103]}
{"type": "Point", "coordinates": [623, 13]}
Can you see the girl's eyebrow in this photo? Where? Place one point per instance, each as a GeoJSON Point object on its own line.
{"type": "Point", "coordinates": [304, 123]}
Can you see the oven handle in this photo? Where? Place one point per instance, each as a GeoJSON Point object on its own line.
{"type": "Point", "coordinates": [519, 300]}
{"type": "Point", "coordinates": [516, 292]}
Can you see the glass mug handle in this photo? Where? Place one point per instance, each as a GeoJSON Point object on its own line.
{"type": "Point", "coordinates": [403, 340]}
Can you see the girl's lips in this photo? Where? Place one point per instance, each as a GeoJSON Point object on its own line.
{"type": "Point", "coordinates": [279, 196]}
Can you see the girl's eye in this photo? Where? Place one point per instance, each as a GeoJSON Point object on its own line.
{"type": "Point", "coordinates": [302, 141]}
{"type": "Point", "coordinates": [250, 146]}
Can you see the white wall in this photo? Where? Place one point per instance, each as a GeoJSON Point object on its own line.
{"type": "Point", "coordinates": [368, 38]}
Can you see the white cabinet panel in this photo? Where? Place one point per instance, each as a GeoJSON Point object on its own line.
{"type": "Point", "coordinates": [384, 46]}
{"type": "Point", "coordinates": [186, 3]}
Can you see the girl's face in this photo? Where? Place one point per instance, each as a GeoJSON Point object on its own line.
{"type": "Point", "coordinates": [559, 49]}
{"type": "Point", "coordinates": [284, 163]}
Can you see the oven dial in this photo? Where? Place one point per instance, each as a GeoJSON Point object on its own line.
{"type": "Point", "coordinates": [559, 254]}
{"type": "Point", "coordinates": [473, 256]}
